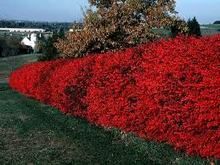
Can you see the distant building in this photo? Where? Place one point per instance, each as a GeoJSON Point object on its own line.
{"type": "Point", "coordinates": [74, 30]}
{"type": "Point", "coordinates": [30, 41]}
{"type": "Point", "coordinates": [26, 30]}
{"type": "Point", "coordinates": [71, 30]}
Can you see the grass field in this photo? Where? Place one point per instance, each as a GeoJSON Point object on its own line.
{"type": "Point", "coordinates": [34, 133]}
{"type": "Point", "coordinates": [210, 29]}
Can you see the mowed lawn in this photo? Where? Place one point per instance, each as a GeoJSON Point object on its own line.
{"type": "Point", "coordinates": [210, 29]}
{"type": "Point", "coordinates": [34, 133]}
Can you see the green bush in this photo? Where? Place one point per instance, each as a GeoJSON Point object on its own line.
{"type": "Point", "coordinates": [10, 46]}
{"type": "Point", "coordinates": [46, 46]}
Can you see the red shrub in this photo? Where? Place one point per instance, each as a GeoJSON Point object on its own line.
{"type": "Point", "coordinates": [165, 91]}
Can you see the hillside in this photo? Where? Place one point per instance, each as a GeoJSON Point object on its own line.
{"type": "Point", "coordinates": [166, 91]}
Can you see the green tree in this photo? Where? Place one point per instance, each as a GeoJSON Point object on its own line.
{"type": "Point", "coordinates": [194, 27]}
{"type": "Point", "coordinates": [46, 46]}
{"type": "Point", "coordinates": [9, 46]}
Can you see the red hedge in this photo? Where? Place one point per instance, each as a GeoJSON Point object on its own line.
{"type": "Point", "coordinates": [167, 91]}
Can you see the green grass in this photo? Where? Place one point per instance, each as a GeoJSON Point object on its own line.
{"type": "Point", "coordinates": [34, 133]}
{"type": "Point", "coordinates": [212, 26]}
{"type": "Point", "coordinates": [8, 64]}
{"type": "Point", "coordinates": [210, 29]}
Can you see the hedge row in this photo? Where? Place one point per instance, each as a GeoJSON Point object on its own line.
{"type": "Point", "coordinates": [167, 91]}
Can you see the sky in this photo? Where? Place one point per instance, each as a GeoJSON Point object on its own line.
{"type": "Point", "coordinates": [206, 11]}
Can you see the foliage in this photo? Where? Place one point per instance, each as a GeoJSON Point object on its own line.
{"type": "Point", "coordinates": [10, 46]}
{"type": "Point", "coordinates": [115, 24]}
{"type": "Point", "coordinates": [194, 27]}
{"type": "Point", "coordinates": [176, 28]}
{"type": "Point", "coordinates": [46, 46]}
{"type": "Point", "coordinates": [44, 130]}
{"type": "Point", "coordinates": [167, 91]}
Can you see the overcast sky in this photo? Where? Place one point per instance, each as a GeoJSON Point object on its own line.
{"type": "Point", "coordinates": [206, 11]}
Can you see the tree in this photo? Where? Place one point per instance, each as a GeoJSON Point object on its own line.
{"type": "Point", "coordinates": [177, 26]}
{"type": "Point", "coordinates": [3, 45]}
{"type": "Point", "coordinates": [113, 24]}
{"type": "Point", "coordinates": [194, 27]}
{"type": "Point", "coordinates": [9, 46]}
{"type": "Point", "coordinates": [47, 47]}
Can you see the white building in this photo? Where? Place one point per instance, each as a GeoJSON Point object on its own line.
{"type": "Point", "coordinates": [27, 30]}
{"type": "Point", "coordinates": [73, 30]}
{"type": "Point", "coordinates": [30, 41]}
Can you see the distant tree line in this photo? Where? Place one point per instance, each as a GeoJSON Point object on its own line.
{"type": "Point", "coordinates": [216, 22]}
{"type": "Point", "coordinates": [49, 26]}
